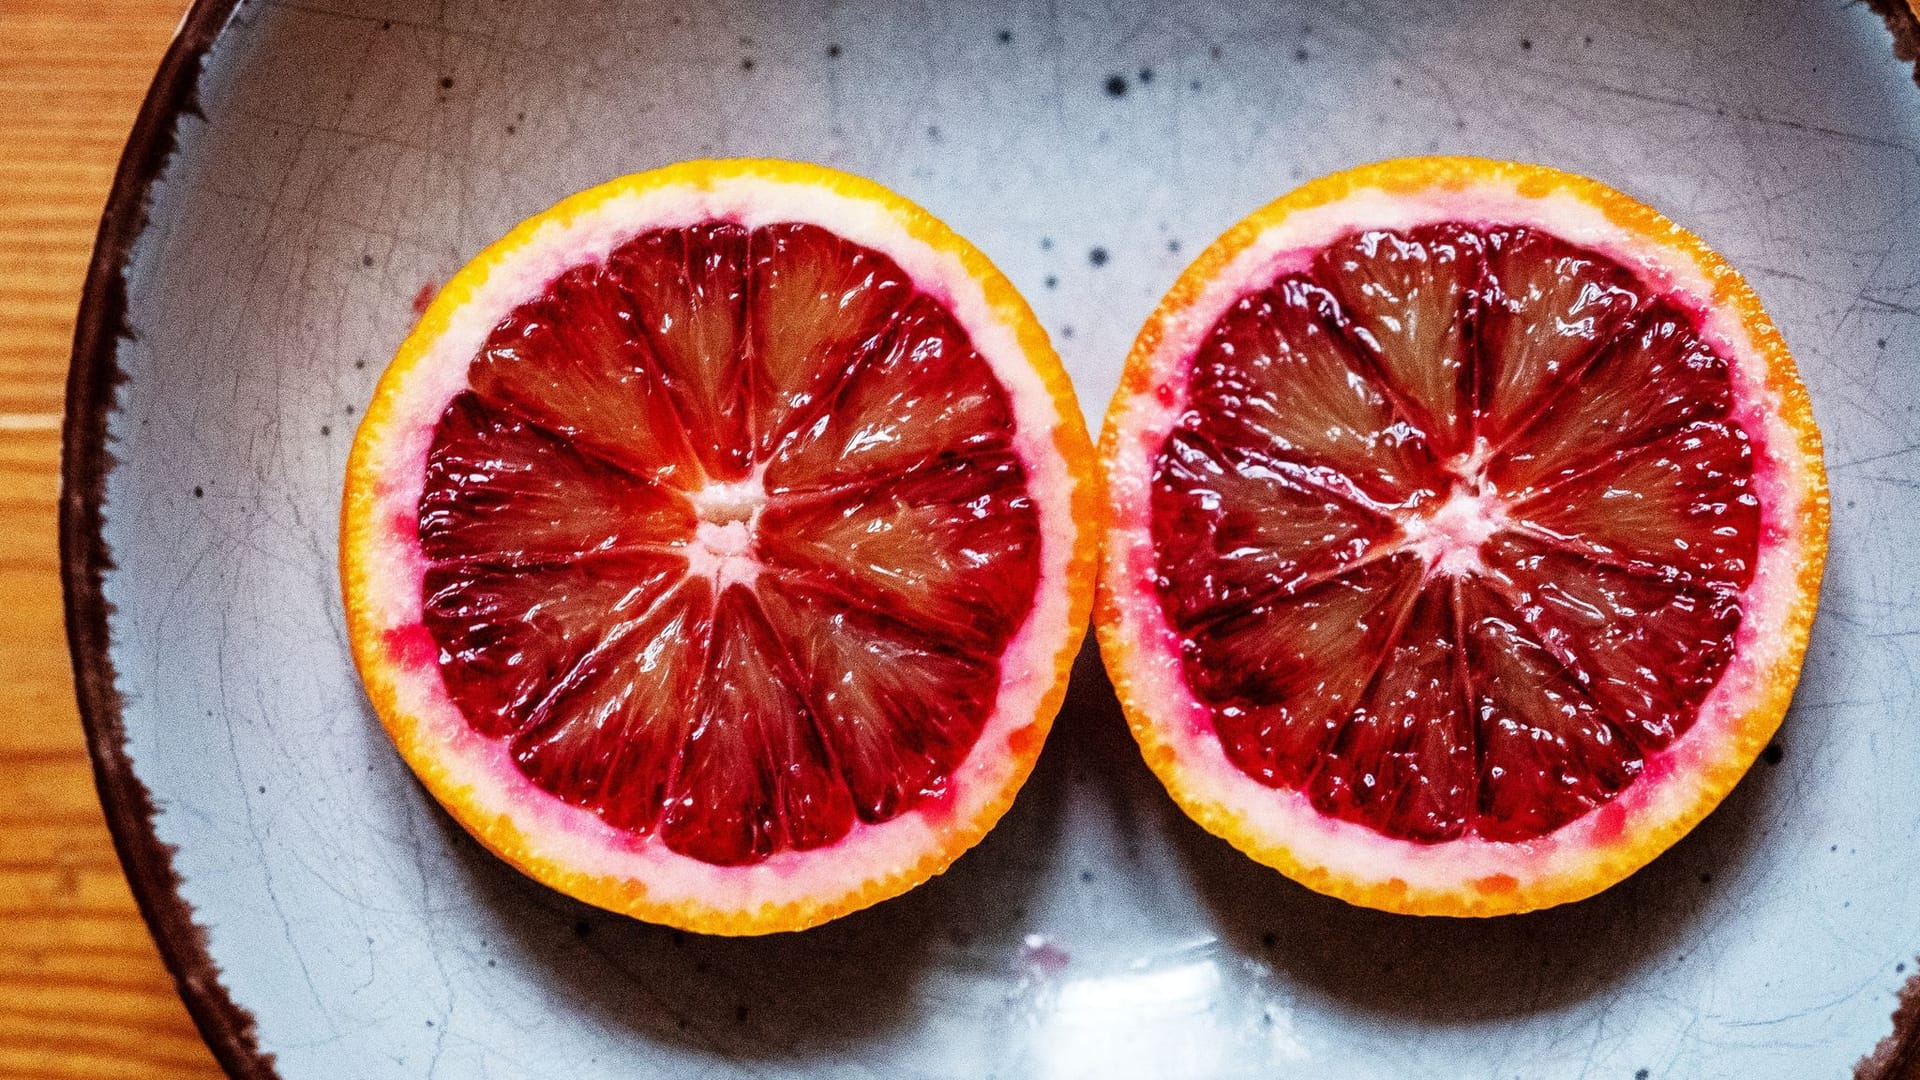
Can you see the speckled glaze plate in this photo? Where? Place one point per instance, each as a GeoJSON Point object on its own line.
{"type": "Point", "coordinates": [305, 171]}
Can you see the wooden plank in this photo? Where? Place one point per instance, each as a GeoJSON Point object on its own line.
{"type": "Point", "coordinates": [82, 989]}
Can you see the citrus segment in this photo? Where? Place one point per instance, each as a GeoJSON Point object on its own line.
{"type": "Point", "coordinates": [815, 296]}
{"type": "Point", "coordinates": [1404, 297]}
{"type": "Point", "coordinates": [1680, 504]}
{"type": "Point", "coordinates": [949, 550]}
{"type": "Point", "coordinates": [598, 737]}
{"type": "Point", "coordinates": [1644, 645]}
{"type": "Point", "coordinates": [1542, 307]}
{"type": "Point", "coordinates": [501, 488]}
{"type": "Point", "coordinates": [894, 701]}
{"type": "Point", "coordinates": [922, 397]}
{"type": "Point", "coordinates": [1402, 762]}
{"type": "Point", "coordinates": [572, 361]}
{"type": "Point", "coordinates": [1280, 529]}
{"type": "Point", "coordinates": [507, 638]}
{"type": "Point", "coordinates": [1289, 671]}
{"type": "Point", "coordinates": [1281, 373]}
{"type": "Point", "coordinates": [1451, 501]}
{"type": "Point", "coordinates": [1653, 375]}
{"type": "Point", "coordinates": [744, 536]}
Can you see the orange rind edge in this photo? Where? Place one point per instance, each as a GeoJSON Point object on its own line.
{"type": "Point", "coordinates": [1758, 722]}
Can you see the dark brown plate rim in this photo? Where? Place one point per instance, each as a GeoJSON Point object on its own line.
{"type": "Point", "coordinates": [92, 378]}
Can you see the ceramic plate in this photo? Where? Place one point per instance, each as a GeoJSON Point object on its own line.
{"type": "Point", "coordinates": [306, 172]}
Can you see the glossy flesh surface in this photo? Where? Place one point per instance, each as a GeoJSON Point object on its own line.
{"type": "Point", "coordinates": [726, 540]}
{"type": "Point", "coordinates": [1454, 530]}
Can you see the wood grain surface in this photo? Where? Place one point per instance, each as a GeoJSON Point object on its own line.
{"type": "Point", "coordinates": [82, 990]}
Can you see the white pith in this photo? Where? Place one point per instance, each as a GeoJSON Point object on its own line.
{"type": "Point", "coordinates": [729, 514]}
{"type": "Point", "coordinates": [1449, 538]}
{"type": "Point", "coordinates": [1325, 848]}
{"type": "Point", "coordinates": [458, 764]}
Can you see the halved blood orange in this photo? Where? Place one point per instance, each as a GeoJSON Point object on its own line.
{"type": "Point", "coordinates": [1467, 520]}
{"type": "Point", "coordinates": [717, 546]}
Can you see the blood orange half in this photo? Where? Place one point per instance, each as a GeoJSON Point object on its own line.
{"type": "Point", "coordinates": [715, 549]}
{"type": "Point", "coordinates": [1467, 521]}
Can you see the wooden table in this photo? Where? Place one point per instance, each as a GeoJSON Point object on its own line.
{"type": "Point", "coordinates": [82, 990]}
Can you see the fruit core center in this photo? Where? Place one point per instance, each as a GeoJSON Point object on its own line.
{"type": "Point", "coordinates": [1450, 538]}
{"type": "Point", "coordinates": [722, 545]}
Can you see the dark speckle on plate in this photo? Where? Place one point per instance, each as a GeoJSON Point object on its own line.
{"type": "Point", "coordinates": [1116, 86]}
